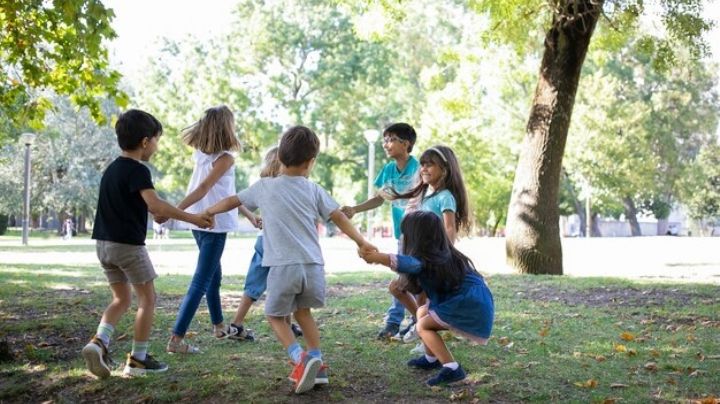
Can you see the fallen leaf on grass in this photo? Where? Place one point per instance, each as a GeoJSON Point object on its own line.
{"type": "Point", "coordinates": [577, 354]}
{"type": "Point", "coordinates": [618, 386]}
{"type": "Point", "coordinates": [503, 341]}
{"type": "Point", "coordinates": [459, 395]}
{"type": "Point", "coordinates": [626, 336]}
{"type": "Point", "coordinates": [631, 352]}
{"type": "Point", "coordinates": [700, 356]}
{"type": "Point", "coordinates": [707, 400]}
{"type": "Point", "coordinates": [611, 400]}
{"type": "Point", "coordinates": [589, 384]}
{"type": "Point", "coordinates": [600, 358]}
{"type": "Point", "coordinates": [619, 348]}
{"type": "Point", "coordinates": [654, 353]}
{"type": "Point", "coordinates": [650, 366]}
{"type": "Point", "coordinates": [672, 381]}
{"type": "Point", "coordinates": [121, 338]}
{"type": "Point", "coordinates": [712, 357]}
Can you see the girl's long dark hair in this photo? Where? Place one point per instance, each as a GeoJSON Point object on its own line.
{"type": "Point", "coordinates": [444, 157]}
{"type": "Point", "coordinates": [424, 238]}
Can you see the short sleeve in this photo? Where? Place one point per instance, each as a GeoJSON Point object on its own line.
{"type": "Point", "coordinates": [140, 179]}
{"type": "Point", "coordinates": [325, 203]}
{"type": "Point", "coordinates": [381, 177]}
{"type": "Point", "coordinates": [447, 202]}
{"type": "Point", "coordinates": [408, 264]}
{"type": "Point", "coordinates": [249, 196]}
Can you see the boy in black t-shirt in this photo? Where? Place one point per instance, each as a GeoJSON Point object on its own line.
{"type": "Point", "coordinates": [126, 196]}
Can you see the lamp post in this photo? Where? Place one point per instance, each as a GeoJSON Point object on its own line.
{"type": "Point", "coordinates": [371, 135]}
{"type": "Point", "coordinates": [26, 139]}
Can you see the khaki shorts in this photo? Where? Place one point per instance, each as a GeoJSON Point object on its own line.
{"type": "Point", "coordinates": [125, 262]}
{"type": "Point", "coordinates": [292, 287]}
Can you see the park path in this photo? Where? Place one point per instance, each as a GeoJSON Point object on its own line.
{"type": "Point", "coordinates": [681, 259]}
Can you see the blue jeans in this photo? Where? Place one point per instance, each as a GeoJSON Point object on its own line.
{"type": "Point", "coordinates": [256, 278]}
{"type": "Point", "coordinates": [396, 312]}
{"type": "Point", "coordinates": [205, 282]}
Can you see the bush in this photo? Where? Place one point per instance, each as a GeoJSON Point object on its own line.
{"type": "Point", "coordinates": [3, 224]}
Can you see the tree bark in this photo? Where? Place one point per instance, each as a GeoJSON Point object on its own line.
{"type": "Point", "coordinates": [631, 215]}
{"type": "Point", "coordinates": [533, 239]}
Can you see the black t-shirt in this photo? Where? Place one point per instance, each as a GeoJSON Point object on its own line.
{"type": "Point", "coordinates": [121, 212]}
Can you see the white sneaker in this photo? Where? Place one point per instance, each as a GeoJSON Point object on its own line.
{"type": "Point", "coordinates": [419, 349]}
{"type": "Point", "coordinates": [411, 335]}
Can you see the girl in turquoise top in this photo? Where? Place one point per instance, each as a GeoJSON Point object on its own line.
{"type": "Point", "coordinates": [458, 297]}
{"type": "Point", "coordinates": [441, 191]}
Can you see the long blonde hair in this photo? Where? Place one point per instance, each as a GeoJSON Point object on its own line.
{"type": "Point", "coordinates": [214, 132]}
{"type": "Point", "coordinates": [271, 164]}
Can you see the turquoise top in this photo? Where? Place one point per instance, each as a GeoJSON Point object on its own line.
{"type": "Point", "coordinates": [390, 178]}
{"type": "Point", "coordinates": [439, 202]}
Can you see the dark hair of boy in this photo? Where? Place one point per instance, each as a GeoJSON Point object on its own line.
{"type": "Point", "coordinates": [452, 181]}
{"type": "Point", "coordinates": [425, 239]}
{"type": "Point", "coordinates": [404, 132]}
{"type": "Point", "coordinates": [297, 146]}
{"type": "Point", "coordinates": [135, 125]}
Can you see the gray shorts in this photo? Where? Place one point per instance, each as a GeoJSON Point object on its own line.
{"type": "Point", "coordinates": [292, 287]}
{"type": "Point", "coordinates": [125, 262]}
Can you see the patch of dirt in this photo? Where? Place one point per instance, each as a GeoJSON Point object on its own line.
{"type": "Point", "coordinates": [614, 297]}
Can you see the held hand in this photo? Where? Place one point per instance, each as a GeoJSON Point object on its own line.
{"type": "Point", "coordinates": [371, 257]}
{"type": "Point", "coordinates": [366, 249]}
{"type": "Point", "coordinates": [348, 211]}
{"type": "Point", "coordinates": [258, 222]}
{"type": "Point", "coordinates": [205, 220]}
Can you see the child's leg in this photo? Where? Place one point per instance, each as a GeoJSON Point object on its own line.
{"type": "Point", "coordinates": [144, 317]}
{"type": "Point", "coordinates": [255, 283]}
{"type": "Point", "coordinates": [211, 247]}
{"type": "Point", "coordinates": [213, 300]}
{"type": "Point", "coordinates": [434, 345]}
{"type": "Point", "coordinates": [245, 303]}
{"type": "Point", "coordinates": [309, 327]}
{"type": "Point", "coordinates": [282, 330]}
{"type": "Point", "coordinates": [403, 296]}
{"type": "Point", "coordinates": [121, 300]}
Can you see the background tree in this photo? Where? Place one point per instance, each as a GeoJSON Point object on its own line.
{"type": "Point", "coordinates": [55, 46]}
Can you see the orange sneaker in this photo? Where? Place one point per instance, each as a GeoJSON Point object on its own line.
{"type": "Point", "coordinates": [305, 372]}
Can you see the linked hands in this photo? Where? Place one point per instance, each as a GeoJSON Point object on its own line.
{"type": "Point", "coordinates": [348, 211]}
{"type": "Point", "coordinates": [256, 221]}
{"type": "Point", "coordinates": [204, 220]}
{"type": "Point", "coordinates": [369, 253]}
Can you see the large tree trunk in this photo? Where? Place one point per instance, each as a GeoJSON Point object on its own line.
{"type": "Point", "coordinates": [631, 215]}
{"type": "Point", "coordinates": [533, 238]}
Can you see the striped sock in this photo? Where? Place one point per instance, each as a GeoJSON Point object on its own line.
{"type": "Point", "coordinates": [139, 349]}
{"type": "Point", "coordinates": [105, 332]}
{"type": "Point", "coordinates": [295, 352]}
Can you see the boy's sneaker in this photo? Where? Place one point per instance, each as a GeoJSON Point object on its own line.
{"type": "Point", "coordinates": [447, 375]}
{"type": "Point", "coordinates": [305, 372]}
{"type": "Point", "coordinates": [422, 363]}
{"type": "Point", "coordinates": [97, 358]}
{"type": "Point", "coordinates": [411, 335]}
{"type": "Point", "coordinates": [389, 330]}
{"type": "Point", "coordinates": [240, 333]}
{"type": "Point", "coordinates": [321, 378]}
{"type": "Point", "coordinates": [135, 367]}
{"type": "Point", "coordinates": [297, 331]}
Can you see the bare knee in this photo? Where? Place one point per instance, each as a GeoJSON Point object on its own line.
{"type": "Point", "coordinates": [394, 288]}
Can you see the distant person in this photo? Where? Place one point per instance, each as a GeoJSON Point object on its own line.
{"type": "Point", "coordinates": [399, 174]}
{"type": "Point", "coordinates": [68, 229]}
{"type": "Point", "coordinates": [458, 297]}
{"type": "Point", "coordinates": [213, 179]}
{"type": "Point", "coordinates": [160, 230]}
{"type": "Point", "coordinates": [290, 204]}
{"type": "Point", "coordinates": [126, 194]}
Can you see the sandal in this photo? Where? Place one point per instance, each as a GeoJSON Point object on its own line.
{"type": "Point", "coordinates": [242, 333]}
{"type": "Point", "coordinates": [181, 347]}
{"type": "Point", "coordinates": [228, 332]}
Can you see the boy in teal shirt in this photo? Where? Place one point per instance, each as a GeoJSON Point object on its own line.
{"type": "Point", "coordinates": [398, 175]}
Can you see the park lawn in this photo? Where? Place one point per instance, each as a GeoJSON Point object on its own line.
{"type": "Point", "coordinates": [555, 339]}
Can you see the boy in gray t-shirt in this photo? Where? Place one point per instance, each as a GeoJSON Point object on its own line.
{"type": "Point", "coordinates": [290, 204]}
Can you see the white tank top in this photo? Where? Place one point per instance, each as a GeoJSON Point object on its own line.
{"type": "Point", "coordinates": [224, 187]}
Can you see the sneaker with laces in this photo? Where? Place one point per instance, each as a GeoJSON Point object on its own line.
{"type": "Point", "coordinates": [446, 376]}
{"type": "Point", "coordinates": [297, 331]}
{"type": "Point", "coordinates": [97, 358]}
{"type": "Point", "coordinates": [321, 378]}
{"type": "Point", "coordinates": [305, 372]}
{"type": "Point", "coordinates": [422, 363]}
{"type": "Point", "coordinates": [411, 336]}
{"type": "Point", "coordinates": [241, 333]}
{"type": "Point", "coordinates": [389, 330]}
{"type": "Point", "coordinates": [419, 349]}
{"type": "Point", "coordinates": [136, 367]}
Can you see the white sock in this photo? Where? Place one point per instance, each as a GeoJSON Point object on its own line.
{"type": "Point", "coordinates": [452, 365]}
{"type": "Point", "coordinates": [430, 359]}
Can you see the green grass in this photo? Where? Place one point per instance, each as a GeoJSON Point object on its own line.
{"type": "Point", "coordinates": [555, 339]}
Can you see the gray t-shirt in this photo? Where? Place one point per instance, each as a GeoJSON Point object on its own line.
{"type": "Point", "coordinates": [290, 207]}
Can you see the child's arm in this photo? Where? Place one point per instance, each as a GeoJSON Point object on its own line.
{"type": "Point", "coordinates": [161, 208]}
{"type": "Point", "coordinates": [375, 257]}
{"type": "Point", "coordinates": [220, 166]}
{"type": "Point", "coordinates": [255, 220]}
{"type": "Point", "coordinates": [343, 223]}
{"type": "Point", "coordinates": [449, 223]}
{"type": "Point", "coordinates": [370, 204]}
{"type": "Point", "coordinates": [231, 202]}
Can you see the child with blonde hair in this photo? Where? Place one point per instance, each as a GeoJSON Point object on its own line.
{"type": "Point", "coordinates": [213, 179]}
